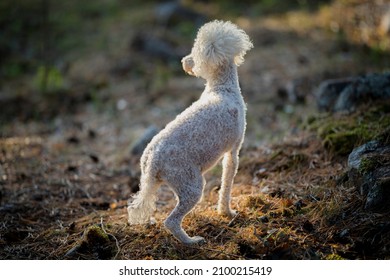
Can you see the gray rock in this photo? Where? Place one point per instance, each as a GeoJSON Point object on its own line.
{"type": "Point", "coordinates": [329, 91]}
{"type": "Point", "coordinates": [370, 87]}
{"type": "Point", "coordinates": [171, 12]}
{"type": "Point", "coordinates": [347, 94]}
{"type": "Point", "coordinates": [378, 195]}
{"type": "Point", "coordinates": [156, 47]}
{"type": "Point", "coordinates": [370, 172]}
{"type": "Point", "coordinates": [355, 157]}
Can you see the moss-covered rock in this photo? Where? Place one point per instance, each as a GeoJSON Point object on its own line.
{"type": "Point", "coordinates": [95, 235]}
{"type": "Point", "coordinates": [341, 143]}
{"type": "Point", "coordinates": [368, 164]}
{"type": "Point", "coordinates": [341, 133]}
{"type": "Point", "coordinates": [369, 171]}
{"type": "Point", "coordinates": [96, 243]}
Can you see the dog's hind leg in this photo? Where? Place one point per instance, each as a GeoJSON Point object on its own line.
{"type": "Point", "coordinates": [230, 165]}
{"type": "Point", "coordinates": [188, 190]}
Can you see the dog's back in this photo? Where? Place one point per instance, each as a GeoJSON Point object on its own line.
{"type": "Point", "coordinates": [200, 135]}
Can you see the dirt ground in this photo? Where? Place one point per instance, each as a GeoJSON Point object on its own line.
{"type": "Point", "coordinates": [67, 168]}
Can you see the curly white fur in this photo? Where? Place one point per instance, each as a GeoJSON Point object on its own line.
{"type": "Point", "coordinates": [211, 128]}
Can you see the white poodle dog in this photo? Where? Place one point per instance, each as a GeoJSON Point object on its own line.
{"type": "Point", "coordinates": [211, 128]}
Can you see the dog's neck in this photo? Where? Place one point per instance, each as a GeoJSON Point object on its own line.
{"type": "Point", "coordinates": [225, 77]}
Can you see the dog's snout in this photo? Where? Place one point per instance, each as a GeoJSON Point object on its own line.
{"type": "Point", "coordinates": [188, 64]}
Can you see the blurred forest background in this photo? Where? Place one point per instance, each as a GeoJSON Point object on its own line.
{"type": "Point", "coordinates": [83, 84]}
{"type": "Point", "coordinates": [112, 55]}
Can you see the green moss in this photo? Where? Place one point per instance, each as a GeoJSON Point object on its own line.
{"type": "Point", "coordinates": [384, 137]}
{"type": "Point", "coordinates": [49, 80]}
{"type": "Point", "coordinates": [95, 235]}
{"type": "Point", "coordinates": [332, 126]}
{"type": "Point", "coordinates": [368, 164]}
{"type": "Point", "coordinates": [341, 133]}
{"type": "Point", "coordinates": [97, 242]}
{"type": "Point", "coordinates": [340, 143]}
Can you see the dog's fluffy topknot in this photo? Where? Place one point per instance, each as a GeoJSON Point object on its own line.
{"type": "Point", "coordinates": [218, 42]}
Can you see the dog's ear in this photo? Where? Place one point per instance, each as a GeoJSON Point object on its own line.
{"type": "Point", "coordinates": [218, 42]}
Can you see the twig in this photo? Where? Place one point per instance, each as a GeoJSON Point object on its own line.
{"type": "Point", "coordinates": [228, 225]}
{"type": "Point", "coordinates": [109, 234]}
{"type": "Point", "coordinates": [233, 220]}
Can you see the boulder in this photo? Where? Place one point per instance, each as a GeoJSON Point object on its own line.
{"type": "Point", "coordinates": [369, 171]}
{"type": "Point", "coordinates": [348, 93]}
{"type": "Point", "coordinates": [328, 92]}
{"type": "Point", "coordinates": [156, 47]}
{"type": "Point", "coordinates": [172, 12]}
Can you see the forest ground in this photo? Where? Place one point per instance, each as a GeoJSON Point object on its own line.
{"type": "Point", "coordinates": [67, 170]}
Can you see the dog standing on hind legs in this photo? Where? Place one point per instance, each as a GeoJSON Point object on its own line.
{"type": "Point", "coordinates": [211, 128]}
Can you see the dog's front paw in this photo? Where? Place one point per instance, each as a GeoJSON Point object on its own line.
{"type": "Point", "coordinates": [196, 240]}
{"type": "Point", "coordinates": [228, 213]}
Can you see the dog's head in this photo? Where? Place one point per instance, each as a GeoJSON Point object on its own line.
{"type": "Point", "coordinates": [217, 43]}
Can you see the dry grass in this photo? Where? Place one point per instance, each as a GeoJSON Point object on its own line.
{"type": "Point", "coordinates": [290, 207]}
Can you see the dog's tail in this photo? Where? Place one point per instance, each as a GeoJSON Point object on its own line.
{"type": "Point", "coordinates": [144, 204]}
